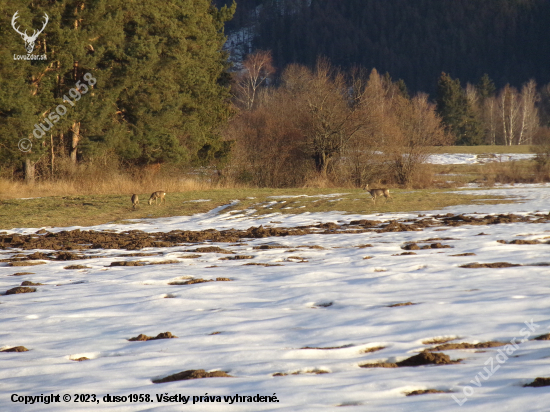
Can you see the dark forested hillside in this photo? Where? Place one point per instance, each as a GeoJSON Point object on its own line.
{"type": "Point", "coordinates": [413, 40]}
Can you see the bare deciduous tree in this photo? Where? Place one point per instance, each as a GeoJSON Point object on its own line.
{"type": "Point", "coordinates": [258, 67]}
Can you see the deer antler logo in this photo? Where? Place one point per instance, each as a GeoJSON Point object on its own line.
{"type": "Point", "coordinates": [29, 40]}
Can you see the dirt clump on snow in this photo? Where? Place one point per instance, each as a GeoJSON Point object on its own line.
{"type": "Point", "coordinates": [26, 263]}
{"type": "Point", "coordinates": [131, 263]}
{"type": "Point", "coordinates": [80, 359]}
{"type": "Point", "coordinates": [22, 273]}
{"type": "Point", "coordinates": [312, 371]}
{"type": "Point", "coordinates": [546, 336]}
{"type": "Point", "coordinates": [425, 391]}
{"type": "Point", "coordinates": [423, 358]}
{"type": "Point", "coordinates": [464, 345]}
{"type": "Point", "coordinates": [373, 349]}
{"type": "Point", "coordinates": [538, 382]}
{"type": "Point", "coordinates": [20, 289]}
{"type": "Point", "coordinates": [437, 341]}
{"type": "Point", "coordinates": [210, 249]}
{"type": "Point", "coordinates": [192, 374]}
{"type": "Point", "coordinates": [29, 283]}
{"type": "Point", "coordinates": [495, 265]}
{"type": "Point", "coordinates": [396, 305]}
{"type": "Point", "coordinates": [190, 282]}
{"type": "Point", "coordinates": [237, 257]}
{"type": "Point", "coordinates": [464, 254]}
{"type": "Point", "coordinates": [144, 338]}
{"type": "Point", "coordinates": [71, 267]}
{"type": "Point", "coordinates": [135, 239]}
{"type": "Point", "coordinates": [15, 349]}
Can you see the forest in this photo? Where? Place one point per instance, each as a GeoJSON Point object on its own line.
{"type": "Point", "coordinates": [268, 93]}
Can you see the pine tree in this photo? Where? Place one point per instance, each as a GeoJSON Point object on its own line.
{"type": "Point", "coordinates": [458, 115]}
{"type": "Point", "coordinates": [485, 87]}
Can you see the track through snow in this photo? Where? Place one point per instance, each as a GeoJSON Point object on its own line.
{"type": "Point", "coordinates": [337, 295]}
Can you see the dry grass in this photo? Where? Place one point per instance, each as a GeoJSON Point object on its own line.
{"type": "Point", "coordinates": [117, 184]}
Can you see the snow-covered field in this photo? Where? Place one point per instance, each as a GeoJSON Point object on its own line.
{"type": "Point", "coordinates": [317, 291]}
{"type": "Point", "coordinates": [465, 158]}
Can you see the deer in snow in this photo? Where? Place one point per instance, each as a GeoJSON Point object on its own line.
{"type": "Point", "coordinates": [378, 193]}
{"type": "Point", "coordinates": [157, 195]}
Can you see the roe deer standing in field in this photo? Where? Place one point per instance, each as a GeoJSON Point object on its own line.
{"type": "Point", "coordinates": [158, 195]}
{"type": "Point", "coordinates": [135, 201]}
{"type": "Point", "coordinates": [378, 193]}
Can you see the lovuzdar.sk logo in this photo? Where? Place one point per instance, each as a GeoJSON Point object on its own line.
{"type": "Point", "coordinates": [29, 40]}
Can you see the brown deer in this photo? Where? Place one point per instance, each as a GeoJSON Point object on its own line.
{"type": "Point", "coordinates": [378, 193]}
{"type": "Point", "coordinates": [135, 201]}
{"type": "Point", "coordinates": [157, 195]}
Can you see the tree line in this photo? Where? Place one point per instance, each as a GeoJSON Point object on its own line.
{"type": "Point", "coordinates": [161, 91]}
{"type": "Point", "coordinates": [412, 40]}
{"type": "Point", "coordinates": [355, 126]}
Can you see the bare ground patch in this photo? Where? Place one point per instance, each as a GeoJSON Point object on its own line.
{"type": "Point", "coordinates": [192, 374]}
{"type": "Point", "coordinates": [423, 358]}
{"type": "Point", "coordinates": [464, 345]}
{"type": "Point", "coordinates": [144, 338]}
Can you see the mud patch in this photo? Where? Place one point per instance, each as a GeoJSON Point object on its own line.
{"type": "Point", "coordinates": [464, 345]}
{"type": "Point", "coordinates": [368, 257]}
{"type": "Point", "coordinates": [437, 341]}
{"type": "Point", "coordinates": [311, 371]}
{"type": "Point", "coordinates": [423, 358]}
{"type": "Point", "coordinates": [164, 262]}
{"type": "Point", "coordinates": [237, 257]}
{"type": "Point", "coordinates": [20, 289]}
{"type": "Point", "coordinates": [190, 256]}
{"type": "Point", "coordinates": [144, 338]}
{"type": "Point", "coordinates": [546, 336]}
{"type": "Point", "coordinates": [373, 349]}
{"type": "Point", "coordinates": [190, 282]}
{"type": "Point", "coordinates": [22, 274]}
{"type": "Point", "coordinates": [15, 349]}
{"type": "Point", "coordinates": [521, 242]}
{"type": "Point", "coordinates": [267, 247]}
{"type": "Point", "coordinates": [405, 254]}
{"type": "Point", "coordinates": [29, 283]}
{"type": "Point", "coordinates": [538, 382]}
{"type": "Point", "coordinates": [81, 359]}
{"type": "Point", "coordinates": [192, 374]}
{"type": "Point", "coordinates": [74, 267]}
{"type": "Point", "coordinates": [26, 263]}
{"type": "Point", "coordinates": [425, 392]}
{"type": "Point", "coordinates": [210, 249]}
{"type": "Point", "coordinates": [124, 263]}
{"type": "Point", "coordinates": [224, 280]}
{"type": "Point", "coordinates": [396, 305]}
{"type": "Point", "coordinates": [464, 254]}
{"type": "Point", "coordinates": [363, 246]}
{"type": "Point", "coordinates": [495, 265]}
{"type": "Point", "coordinates": [324, 304]}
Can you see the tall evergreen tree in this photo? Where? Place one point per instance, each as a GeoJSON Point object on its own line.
{"type": "Point", "coordinates": [459, 117]}
{"type": "Point", "coordinates": [485, 87]}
